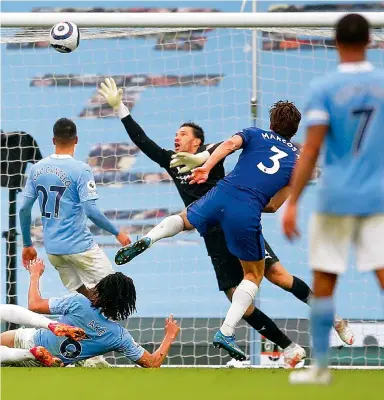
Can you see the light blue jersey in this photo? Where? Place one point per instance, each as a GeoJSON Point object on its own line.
{"type": "Point", "coordinates": [104, 335]}
{"type": "Point", "coordinates": [62, 184]}
{"type": "Point", "coordinates": [351, 102]}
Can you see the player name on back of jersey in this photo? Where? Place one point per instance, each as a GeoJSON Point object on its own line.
{"type": "Point", "coordinates": [274, 136]}
{"type": "Point", "coordinates": [51, 170]}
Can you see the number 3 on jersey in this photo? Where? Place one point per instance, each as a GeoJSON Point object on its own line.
{"type": "Point", "coordinates": [59, 193]}
{"type": "Point", "coordinates": [279, 154]}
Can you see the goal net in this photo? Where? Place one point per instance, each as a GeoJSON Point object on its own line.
{"type": "Point", "coordinates": [173, 75]}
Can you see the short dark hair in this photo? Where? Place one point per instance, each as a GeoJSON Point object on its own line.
{"type": "Point", "coordinates": [115, 296]}
{"type": "Point", "coordinates": [352, 29]}
{"type": "Point", "coordinates": [284, 118]}
{"type": "Point", "coordinates": [198, 131]}
{"type": "Point", "coordinates": [64, 131]}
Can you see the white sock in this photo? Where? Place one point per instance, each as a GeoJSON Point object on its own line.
{"type": "Point", "coordinates": [242, 298]}
{"type": "Point", "coordinates": [22, 316]}
{"type": "Point", "coordinates": [168, 227]}
{"type": "Point", "coordinates": [9, 355]}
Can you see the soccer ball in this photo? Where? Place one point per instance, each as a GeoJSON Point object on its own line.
{"type": "Point", "coordinates": [64, 37]}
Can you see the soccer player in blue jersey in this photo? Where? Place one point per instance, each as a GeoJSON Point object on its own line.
{"type": "Point", "coordinates": [112, 299]}
{"type": "Point", "coordinates": [345, 117]}
{"type": "Point", "coordinates": [67, 195]}
{"type": "Point", "coordinates": [260, 176]}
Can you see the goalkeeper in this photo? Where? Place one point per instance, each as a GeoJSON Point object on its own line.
{"type": "Point", "coordinates": [190, 152]}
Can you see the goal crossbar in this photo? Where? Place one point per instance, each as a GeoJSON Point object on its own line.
{"type": "Point", "coordinates": [191, 20]}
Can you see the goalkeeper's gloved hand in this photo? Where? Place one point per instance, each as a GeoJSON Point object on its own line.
{"type": "Point", "coordinates": [110, 92]}
{"type": "Point", "coordinates": [190, 161]}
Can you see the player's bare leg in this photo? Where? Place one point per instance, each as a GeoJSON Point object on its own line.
{"type": "Point", "coordinates": [168, 227]}
{"type": "Point", "coordinates": [322, 317]}
{"type": "Point", "coordinates": [380, 277]}
{"type": "Point", "coordinates": [279, 276]}
{"type": "Point", "coordinates": [242, 298]}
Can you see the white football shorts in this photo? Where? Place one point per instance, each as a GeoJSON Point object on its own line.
{"type": "Point", "coordinates": [87, 268]}
{"type": "Point", "coordinates": [331, 238]}
{"type": "Point", "coordinates": [24, 339]}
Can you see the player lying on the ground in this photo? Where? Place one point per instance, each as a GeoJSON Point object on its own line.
{"type": "Point", "coordinates": [112, 299]}
{"type": "Point", "coordinates": [345, 116]}
{"type": "Point", "coordinates": [67, 193]}
{"type": "Point", "coordinates": [191, 151]}
{"type": "Point", "coordinates": [21, 316]}
{"type": "Point", "coordinates": [262, 173]}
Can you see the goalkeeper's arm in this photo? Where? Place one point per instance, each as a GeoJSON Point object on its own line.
{"type": "Point", "coordinates": [189, 161]}
{"type": "Point", "coordinates": [151, 149]}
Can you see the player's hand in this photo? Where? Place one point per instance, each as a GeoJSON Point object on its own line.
{"type": "Point", "coordinates": [172, 329]}
{"type": "Point", "coordinates": [110, 92]}
{"type": "Point", "coordinates": [36, 267]}
{"type": "Point", "coordinates": [123, 238]}
{"type": "Point", "coordinates": [28, 254]}
{"type": "Point", "coordinates": [190, 161]}
{"type": "Point", "coordinates": [199, 175]}
{"type": "Point", "coordinates": [290, 221]}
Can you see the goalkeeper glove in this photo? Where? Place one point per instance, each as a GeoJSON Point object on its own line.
{"type": "Point", "coordinates": [110, 92]}
{"type": "Point", "coordinates": [190, 161]}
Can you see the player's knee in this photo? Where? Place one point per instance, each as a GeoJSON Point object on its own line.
{"type": "Point", "coordinates": [7, 339]}
{"type": "Point", "coordinates": [229, 293]}
{"type": "Point", "coordinates": [279, 276]}
{"type": "Point", "coordinates": [187, 224]}
{"type": "Point", "coordinates": [254, 276]}
{"type": "Point", "coordinates": [323, 284]}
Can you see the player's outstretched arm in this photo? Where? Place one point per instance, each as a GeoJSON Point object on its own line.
{"type": "Point", "coordinates": [155, 359]}
{"type": "Point", "coordinates": [35, 302]}
{"type": "Point", "coordinates": [189, 161]}
{"type": "Point", "coordinates": [151, 149]}
{"type": "Point", "coordinates": [99, 219]}
{"type": "Point", "coordinates": [200, 175]}
{"type": "Point", "coordinates": [277, 200]}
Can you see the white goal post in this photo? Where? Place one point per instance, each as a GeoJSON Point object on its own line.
{"type": "Point", "coordinates": [188, 20]}
{"type": "Point", "coordinates": [177, 67]}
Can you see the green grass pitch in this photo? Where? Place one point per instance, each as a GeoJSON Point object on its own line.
{"type": "Point", "coordinates": [179, 383]}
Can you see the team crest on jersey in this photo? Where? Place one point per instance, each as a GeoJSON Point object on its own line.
{"type": "Point", "coordinates": [91, 187]}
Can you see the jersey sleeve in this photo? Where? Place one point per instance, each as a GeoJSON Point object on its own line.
{"type": "Point", "coordinates": [129, 347]}
{"type": "Point", "coordinates": [145, 144]}
{"type": "Point", "coordinates": [30, 190]}
{"type": "Point", "coordinates": [316, 110]}
{"type": "Point", "coordinates": [62, 305]}
{"type": "Point", "coordinates": [245, 135]}
{"type": "Point", "coordinates": [86, 185]}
